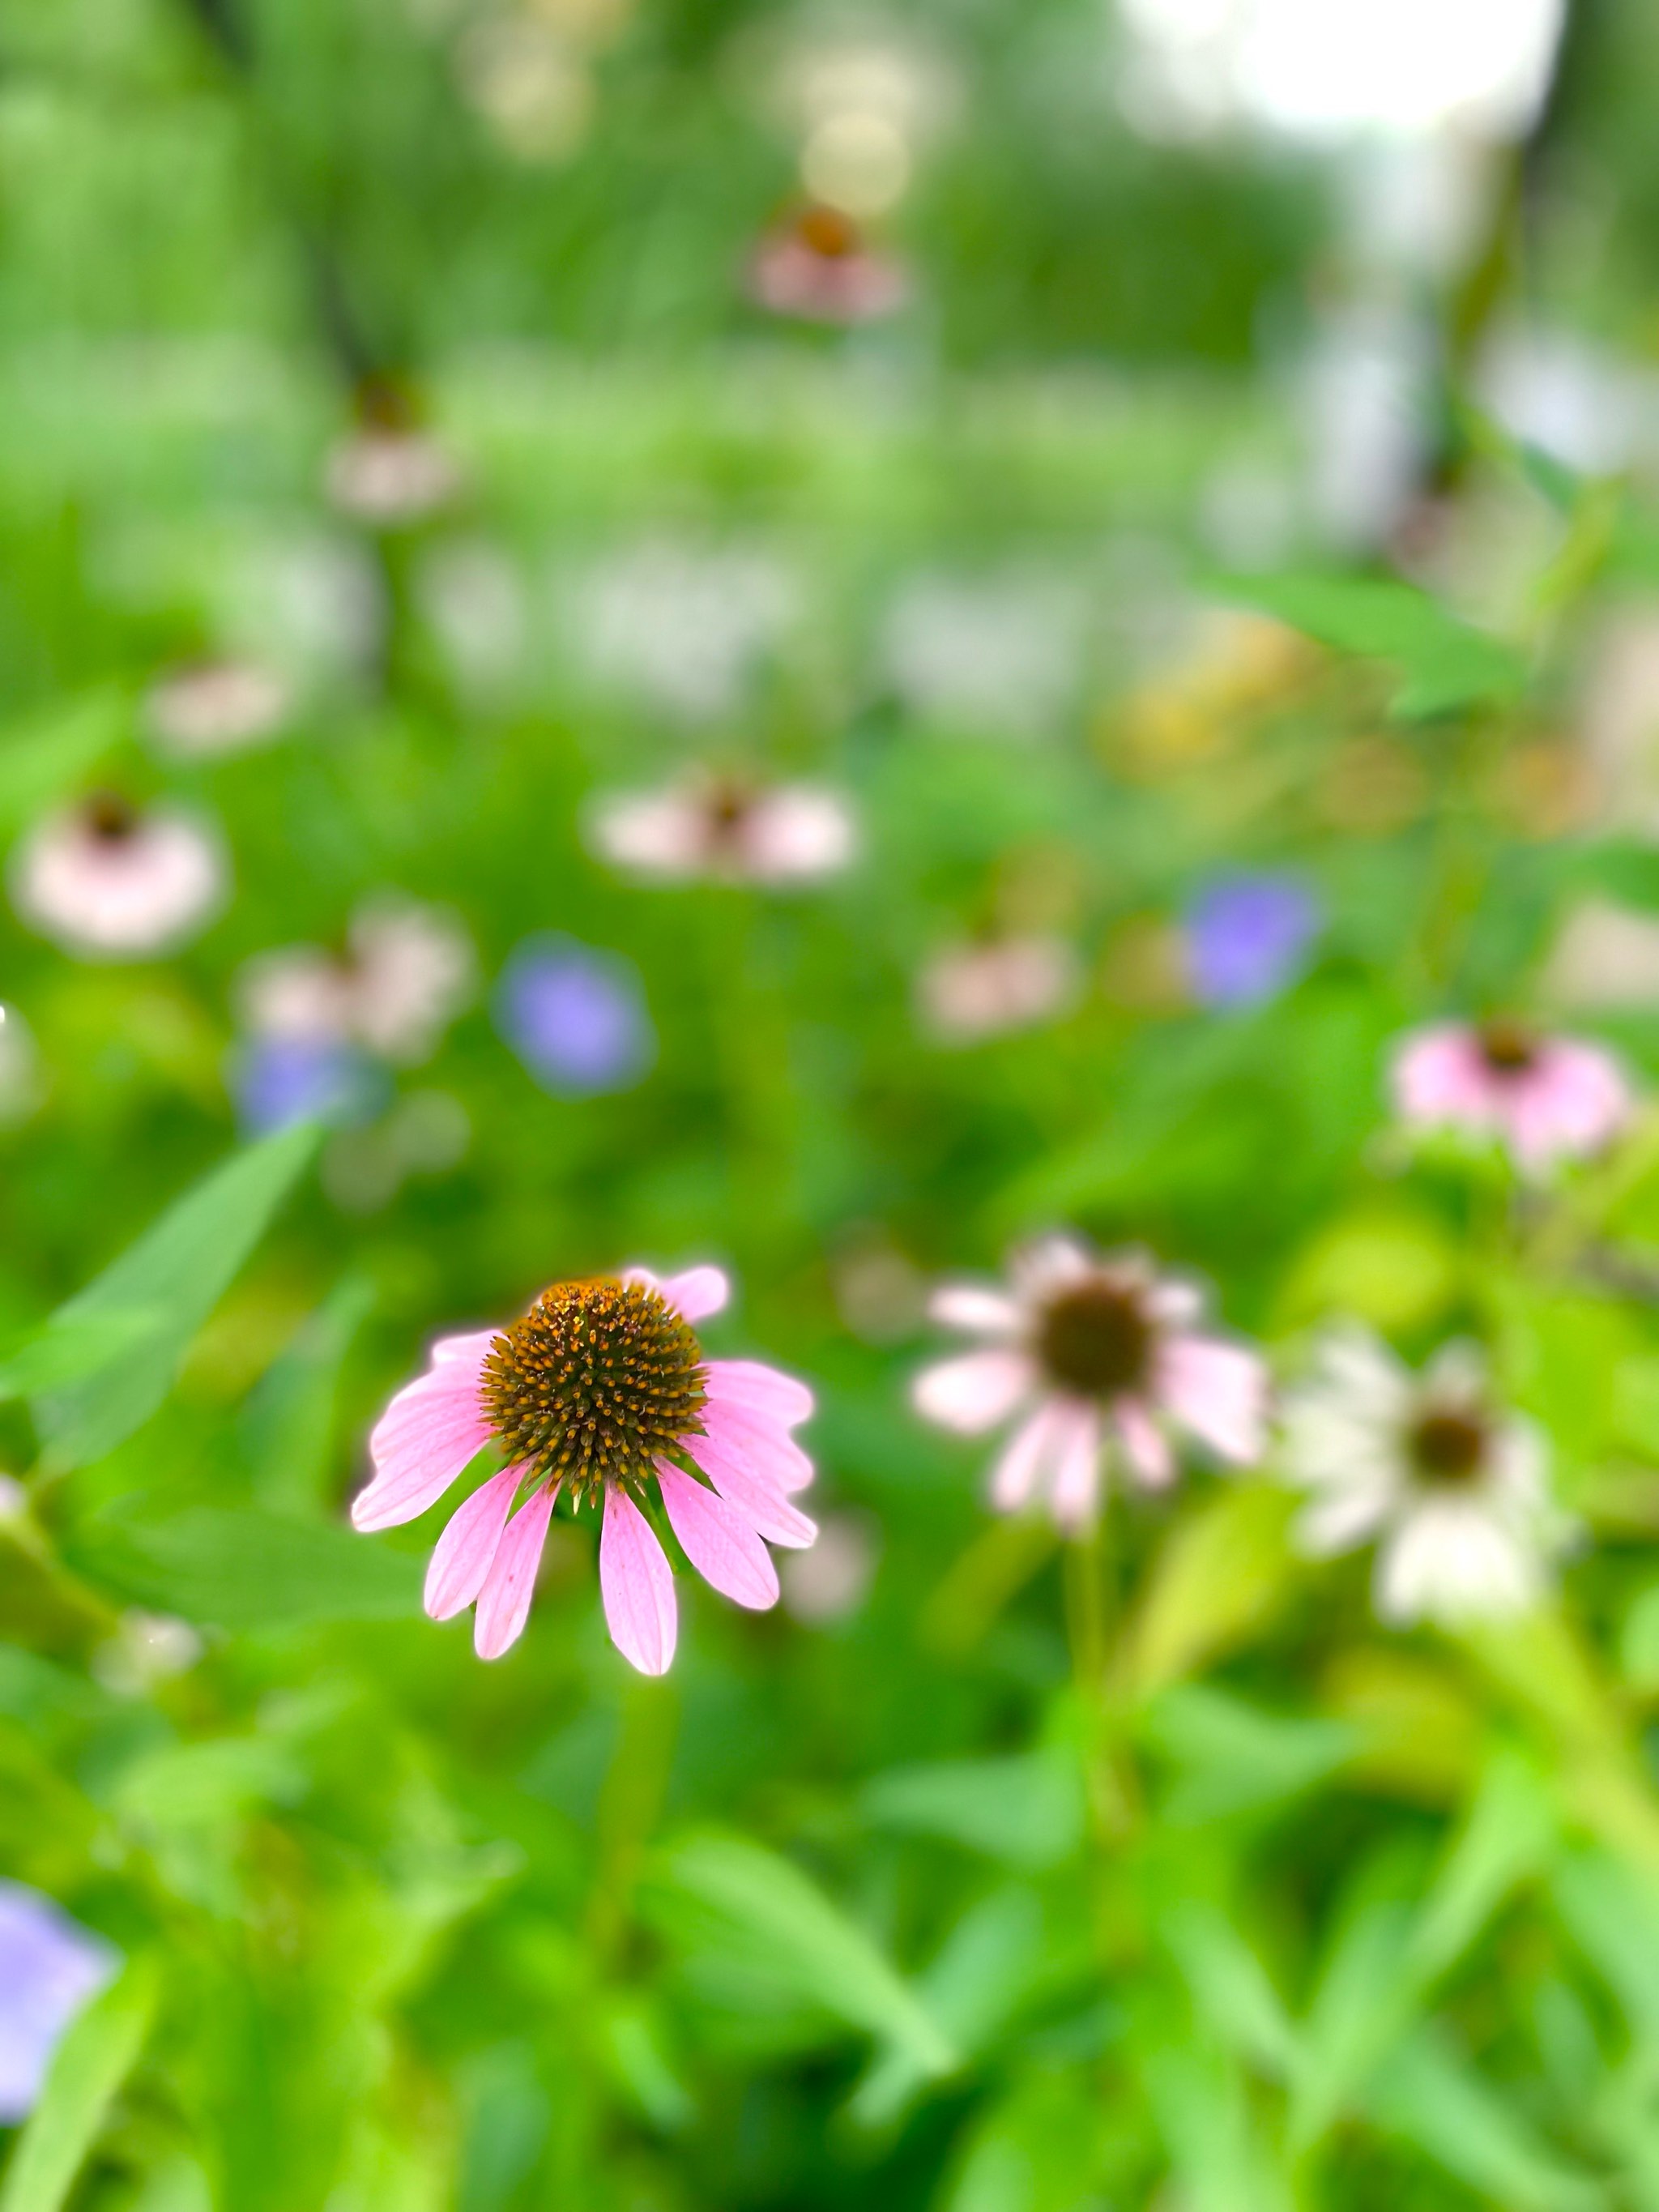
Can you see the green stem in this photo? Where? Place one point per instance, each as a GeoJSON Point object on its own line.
{"type": "Point", "coordinates": [630, 1803]}
{"type": "Point", "coordinates": [1086, 1568]}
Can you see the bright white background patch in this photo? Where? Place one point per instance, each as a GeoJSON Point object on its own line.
{"type": "Point", "coordinates": [1326, 69]}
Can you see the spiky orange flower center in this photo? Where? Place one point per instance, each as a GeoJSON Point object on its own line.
{"type": "Point", "coordinates": [595, 1380]}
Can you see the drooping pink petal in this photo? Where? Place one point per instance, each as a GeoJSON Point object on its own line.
{"type": "Point", "coordinates": [1017, 1474]}
{"type": "Point", "coordinates": [973, 1392]}
{"type": "Point", "coordinates": [765, 1390]}
{"type": "Point", "coordinates": [637, 1586]}
{"type": "Point", "coordinates": [719, 1542]}
{"type": "Point", "coordinates": [1440, 1074]}
{"type": "Point", "coordinates": [1049, 1265]}
{"type": "Point", "coordinates": [797, 830]}
{"type": "Point", "coordinates": [1145, 1445]}
{"type": "Point", "coordinates": [1077, 1468]}
{"type": "Point", "coordinates": [1572, 1101]}
{"type": "Point", "coordinates": [462, 1556]}
{"type": "Point", "coordinates": [659, 833]}
{"type": "Point", "coordinates": [426, 1436]}
{"type": "Point", "coordinates": [1219, 1391]}
{"type": "Point", "coordinates": [978, 1311]}
{"type": "Point", "coordinates": [504, 1600]}
{"type": "Point", "coordinates": [769, 1450]}
{"type": "Point", "coordinates": [761, 1503]}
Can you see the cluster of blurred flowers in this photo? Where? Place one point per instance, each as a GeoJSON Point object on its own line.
{"type": "Point", "coordinates": [1099, 1359]}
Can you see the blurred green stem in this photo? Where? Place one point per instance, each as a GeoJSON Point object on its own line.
{"type": "Point", "coordinates": [1086, 1569]}
{"type": "Point", "coordinates": [1464, 845]}
{"type": "Point", "coordinates": [630, 1804]}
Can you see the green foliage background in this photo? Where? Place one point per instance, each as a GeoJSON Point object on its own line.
{"type": "Point", "coordinates": [1156, 1873]}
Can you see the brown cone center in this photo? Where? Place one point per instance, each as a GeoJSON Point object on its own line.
{"type": "Point", "coordinates": [109, 818]}
{"type": "Point", "coordinates": [592, 1382]}
{"type": "Point", "coordinates": [1509, 1048]}
{"type": "Point", "coordinates": [828, 232]}
{"type": "Point", "coordinates": [1448, 1448]}
{"type": "Point", "coordinates": [1097, 1338]}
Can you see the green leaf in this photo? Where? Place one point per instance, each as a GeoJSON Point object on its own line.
{"type": "Point", "coordinates": [247, 1571]}
{"type": "Point", "coordinates": [1639, 1641]}
{"type": "Point", "coordinates": [1613, 1919]}
{"type": "Point", "coordinates": [180, 1786]}
{"type": "Point", "coordinates": [1394, 1267]}
{"type": "Point", "coordinates": [91, 2061]}
{"type": "Point", "coordinates": [45, 758]}
{"type": "Point", "coordinates": [176, 1273]}
{"type": "Point", "coordinates": [1445, 664]}
{"type": "Point", "coordinates": [69, 1350]}
{"type": "Point", "coordinates": [1220, 1574]}
{"type": "Point", "coordinates": [287, 1429]}
{"type": "Point", "coordinates": [765, 1913]}
{"type": "Point", "coordinates": [1430, 2094]}
{"type": "Point", "coordinates": [1507, 1838]}
{"type": "Point", "coordinates": [985, 1966]}
{"type": "Point", "coordinates": [634, 2043]}
{"type": "Point", "coordinates": [1232, 1756]}
{"type": "Point", "coordinates": [1360, 2008]}
{"type": "Point", "coordinates": [1038, 2149]}
{"type": "Point", "coordinates": [1623, 869]}
{"type": "Point", "coordinates": [1218, 2156]}
{"type": "Point", "coordinates": [1028, 1811]}
{"type": "Point", "coordinates": [1233, 1988]}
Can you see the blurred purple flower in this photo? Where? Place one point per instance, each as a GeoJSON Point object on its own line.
{"type": "Point", "coordinates": [1248, 937]}
{"type": "Point", "coordinates": [49, 1967]}
{"type": "Point", "coordinates": [280, 1080]}
{"type": "Point", "coordinates": [575, 1017]}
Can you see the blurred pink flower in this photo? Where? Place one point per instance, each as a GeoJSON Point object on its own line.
{"type": "Point", "coordinates": [390, 469]}
{"type": "Point", "coordinates": [599, 1391]}
{"type": "Point", "coordinates": [978, 990]}
{"type": "Point", "coordinates": [386, 478]}
{"type": "Point", "coordinates": [820, 268]}
{"type": "Point", "coordinates": [211, 707]}
{"type": "Point", "coordinates": [1545, 1099]}
{"type": "Point", "coordinates": [1079, 1351]}
{"type": "Point", "coordinates": [832, 1579]}
{"type": "Point", "coordinates": [726, 827]}
{"type": "Point", "coordinates": [406, 971]}
{"type": "Point", "coordinates": [110, 882]}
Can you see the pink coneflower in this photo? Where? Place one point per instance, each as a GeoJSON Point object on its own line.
{"type": "Point", "coordinates": [971, 991]}
{"type": "Point", "coordinates": [1546, 1098]}
{"type": "Point", "coordinates": [820, 268]}
{"type": "Point", "coordinates": [601, 1392]}
{"type": "Point", "coordinates": [213, 707]}
{"type": "Point", "coordinates": [1083, 1351]}
{"type": "Point", "coordinates": [390, 469]}
{"type": "Point", "coordinates": [728, 828]}
{"type": "Point", "coordinates": [386, 477]}
{"type": "Point", "coordinates": [110, 882]}
{"type": "Point", "coordinates": [406, 971]}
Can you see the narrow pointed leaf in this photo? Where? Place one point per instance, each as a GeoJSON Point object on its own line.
{"type": "Point", "coordinates": [177, 1273]}
{"type": "Point", "coordinates": [93, 2059]}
